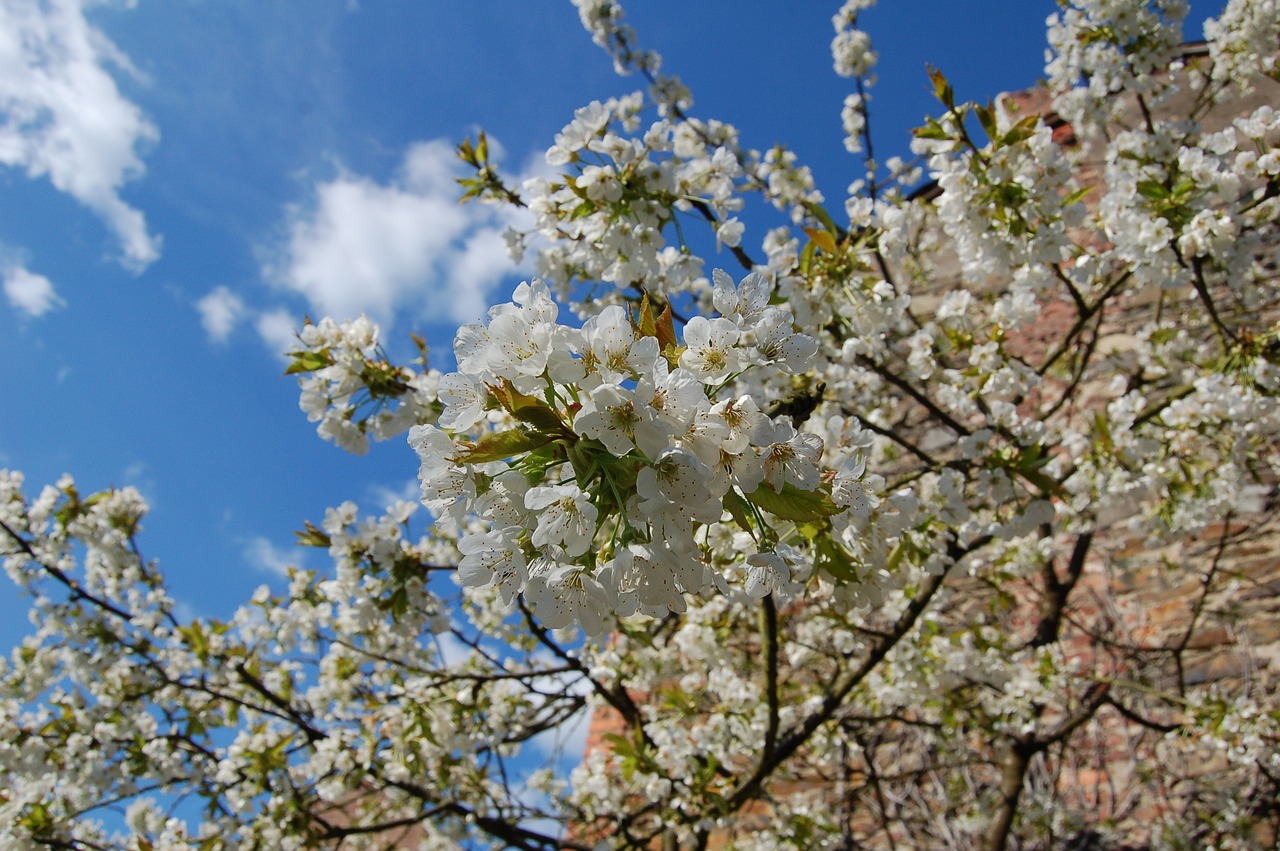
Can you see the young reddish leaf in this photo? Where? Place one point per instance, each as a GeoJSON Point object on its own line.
{"type": "Point", "coordinates": [643, 323]}
{"type": "Point", "coordinates": [526, 408]}
{"type": "Point", "coordinates": [823, 239]}
{"type": "Point", "coordinates": [665, 329]}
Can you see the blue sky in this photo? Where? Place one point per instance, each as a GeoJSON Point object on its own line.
{"type": "Point", "coordinates": [181, 180]}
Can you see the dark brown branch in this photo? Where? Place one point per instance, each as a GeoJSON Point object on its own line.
{"type": "Point", "coordinates": [313, 735]}
{"type": "Point", "coordinates": [1017, 757]}
{"type": "Point", "coordinates": [920, 399]}
{"type": "Point", "coordinates": [1057, 591]}
{"type": "Point", "coordinates": [1013, 770]}
{"type": "Point", "coordinates": [835, 698]}
{"type": "Point", "coordinates": [1084, 314]}
{"type": "Point", "coordinates": [769, 649]}
{"type": "Point", "coordinates": [894, 436]}
{"type": "Point", "coordinates": [77, 592]}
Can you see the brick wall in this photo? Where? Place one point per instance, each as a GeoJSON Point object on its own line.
{"type": "Point", "coordinates": [1196, 614]}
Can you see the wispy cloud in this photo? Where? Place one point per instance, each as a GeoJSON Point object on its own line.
{"type": "Point", "coordinates": [62, 116]}
{"type": "Point", "coordinates": [384, 496]}
{"type": "Point", "coordinates": [28, 291]}
{"type": "Point", "coordinates": [139, 474]}
{"type": "Point", "coordinates": [267, 557]}
{"type": "Point", "coordinates": [220, 311]}
{"type": "Point", "coordinates": [407, 245]}
{"type": "Point", "coordinates": [568, 741]}
{"type": "Point", "coordinates": [278, 329]}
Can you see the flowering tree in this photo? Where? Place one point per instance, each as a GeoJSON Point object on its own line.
{"type": "Point", "coordinates": [854, 545]}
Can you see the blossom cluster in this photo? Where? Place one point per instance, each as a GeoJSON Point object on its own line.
{"type": "Point", "coordinates": [595, 455]}
{"type": "Point", "coordinates": [1024, 405]}
{"type": "Point", "coordinates": [351, 390]}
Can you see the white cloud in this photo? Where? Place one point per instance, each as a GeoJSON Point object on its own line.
{"type": "Point", "coordinates": [278, 329]}
{"type": "Point", "coordinates": [453, 650]}
{"type": "Point", "coordinates": [29, 292]}
{"type": "Point", "coordinates": [62, 116]}
{"type": "Point", "coordinates": [220, 311]}
{"type": "Point", "coordinates": [408, 245]}
{"type": "Point", "coordinates": [565, 743]}
{"type": "Point", "coordinates": [480, 261]}
{"type": "Point", "coordinates": [568, 741]}
{"type": "Point", "coordinates": [267, 557]}
{"type": "Point", "coordinates": [382, 497]}
{"type": "Point", "coordinates": [137, 474]}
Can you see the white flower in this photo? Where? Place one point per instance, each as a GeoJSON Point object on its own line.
{"type": "Point", "coordinates": [711, 349]}
{"type": "Point", "coordinates": [617, 419]}
{"type": "Point", "coordinates": [566, 594]}
{"type": "Point", "coordinates": [851, 490]}
{"type": "Point", "coordinates": [649, 579]}
{"type": "Point", "coordinates": [611, 350]}
{"type": "Point", "coordinates": [743, 303]}
{"type": "Point", "coordinates": [503, 502]}
{"type": "Point", "coordinates": [705, 437]}
{"type": "Point", "coordinates": [790, 456]}
{"type": "Point", "coordinates": [744, 419]}
{"type": "Point", "coordinates": [448, 484]}
{"type": "Point", "coordinates": [766, 573]}
{"type": "Point", "coordinates": [518, 350]}
{"type": "Point", "coordinates": [674, 395]}
{"type": "Point", "coordinates": [464, 400]}
{"type": "Point", "coordinates": [493, 558]}
{"type": "Point", "coordinates": [471, 350]}
{"type": "Point", "coordinates": [678, 483]}
{"type": "Point", "coordinates": [567, 518]}
{"type": "Point", "coordinates": [779, 344]}
{"type": "Point", "coordinates": [729, 233]}
{"type": "Point", "coordinates": [536, 305]}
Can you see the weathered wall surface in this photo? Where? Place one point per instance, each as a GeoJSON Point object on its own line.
{"type": "Point", "coordinates": [1156, 628]}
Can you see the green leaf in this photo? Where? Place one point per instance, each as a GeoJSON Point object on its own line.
{"type": "Point", "coordinates": [1077, 196]}
{"type": "Point", "coordinates": [1023, 130]}
{"type": "Point", "coordinates": [1046, 483]}
{"type": "Point", "coordinates": [398, 603]}
{"type": "Point", "coordinates": [931, 130]}
{"type": "Point", "coordinates": [542, 418]}
{"type": "Point", "coordinates": [739, 508]}
{"type": "Point", "coordinates": [806, 256]}
{"type": "Point", "coordinates": [312, 536]}
{"type": "Point", "coordinates": [503, 444]}
{"type": "Point", "coordinates": [1102, 432]}
{"type": "Point", "coordinates": [987, 118]}
{"type": "Point", "coordinates": [793, 504]}
{"type": "Point", "coordinates": [941, 88]}
{"type": "Point", "coordinates": [1032, 458]}
{"type": "Point", "coordinates": [308, 361]}
{"type": "Point", "coordinates": [1153, 189]}
{"type": "Point", "coordinates": [829, 556]}
{"type": "Point", "coordinates": [526, 408]}
{"type": "Point", "coordinates": [643, 324]}
{"type": "Point", "coordinates": [896, 556]}
{"type": "Point", "coordinates": [197, 642]}
{"type": "Point", "coordinates": [820, 213]}
{"type": "Point", "coordinates": [467, 153]}
{"type": "Point", "coordinates": [665, 329]}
